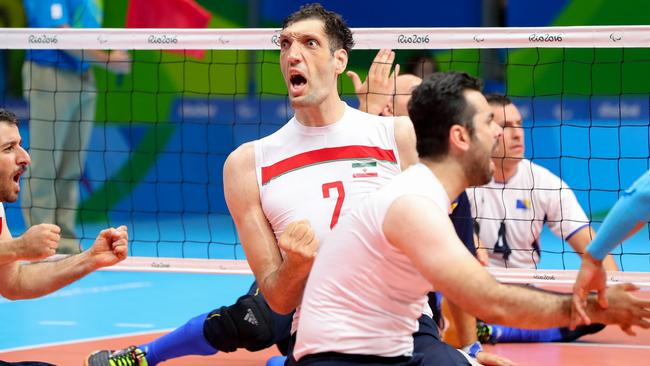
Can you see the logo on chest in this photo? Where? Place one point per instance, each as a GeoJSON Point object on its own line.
{"type": "Point", "coordinates": [364, 170]}
{"type": "Point", "coordinates": [523, 204]}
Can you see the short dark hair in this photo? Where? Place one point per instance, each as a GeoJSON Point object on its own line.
{"type": "Point", "coordinates": [436, 105]}
{"type": "Point", "coordinates": [337, 31]}
{"type": "Point", "coordinates": [498, 98]}
{"type": "Point", "coordinates": [8, 116]}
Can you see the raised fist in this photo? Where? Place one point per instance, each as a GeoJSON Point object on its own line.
{"type": "Point", "coordinates": [38, 242]}
{"type": "Point", "coordinates": [298, 241]}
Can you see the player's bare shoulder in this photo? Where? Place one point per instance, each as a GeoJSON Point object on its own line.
{"type": "Point", "coordinates": [241, 159]}
{"type": "Point", "coordinates": [405, 139]}
{"type": "Point", "coordinates": [404, 125]}
{"type": "Point", "coordinates": [239, 179]}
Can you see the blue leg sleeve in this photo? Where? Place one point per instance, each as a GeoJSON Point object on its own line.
{"type": "Point", "coordinates": [503, 334]}
{"type": "Point", "coordinates": [276, 361]}
{"type": "Point", "coordinates": [183, 341]}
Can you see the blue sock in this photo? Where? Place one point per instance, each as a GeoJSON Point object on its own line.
{"type": "Point", "coordinates": [505, 334]}
{"type": "Point", "coordinates": [276, 361]}
{"type": "Point", "coordinates": [183, 341]}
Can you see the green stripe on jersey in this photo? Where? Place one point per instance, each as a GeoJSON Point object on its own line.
{"type": "Point", "coordinates": [364, 165]}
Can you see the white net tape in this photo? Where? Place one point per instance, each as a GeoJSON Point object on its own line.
{"type": "Point", "coordinates": [365, 38]}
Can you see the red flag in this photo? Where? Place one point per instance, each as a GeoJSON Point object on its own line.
{"type": "Point", "coordinates": [168, 14]}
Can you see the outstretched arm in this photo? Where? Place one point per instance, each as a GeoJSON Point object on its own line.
{"type": "Point", "coordinates": [627, 216]}
{"type": "Point", "coordinates": [424, 233]}
{"type": "Point", "coordinates": [25, 281]}
{"type": "Point", "coordinates": [581, 239]}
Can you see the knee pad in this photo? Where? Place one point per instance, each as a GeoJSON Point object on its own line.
{"type": "Point", "coordinates": [246, 324]}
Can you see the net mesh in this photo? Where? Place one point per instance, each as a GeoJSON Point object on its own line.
{"type": "Point", "coordinates": [161, 133]}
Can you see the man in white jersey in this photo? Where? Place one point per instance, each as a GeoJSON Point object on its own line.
{"type": "Point", "coordinates": [25, 281]}
{"type": "Point", "coordinates": [386, 94]}
{"type": "Point", "coordinates": [511, 210]}
{"type": "Point", "coordinates": [314, 168]}
{"type": "Point", "coordinates": [361, 308]}
{"type": "Point", "coordinates": [462, 331]}
{"type": "Point", "coordinates": [317, 166]}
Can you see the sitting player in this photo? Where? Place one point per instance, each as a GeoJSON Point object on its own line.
{"type": "Point", "coordinates": [511, 210]}
{"type": "Point", "coordinates": [361, 308]}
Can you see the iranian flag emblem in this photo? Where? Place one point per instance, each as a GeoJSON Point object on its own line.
{"type": "Point", "coordinates": [364, 170]}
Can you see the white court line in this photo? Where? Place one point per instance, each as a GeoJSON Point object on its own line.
{"type": "Point", "coordinates": [602, 345]}
{"type": "Point", "coordinates": [91, 290]}
{"type": "Point", "coordinates": [134, 334]}
{"type": "Point", "coordinates": [67, 323]}
{"type": "Point", "coordinates": [134, 325]}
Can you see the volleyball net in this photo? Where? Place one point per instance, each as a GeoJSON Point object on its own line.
{"type": "Point", "coordinates": [161, 132]}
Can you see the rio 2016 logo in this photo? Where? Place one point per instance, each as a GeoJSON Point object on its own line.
{"type": "Point", "coordinates": [42, 39]}
{"type": "Point", "coordinates": [413, 38]}
{"type": "Point", "coordinates": [162, 39]}
{"type": "Point", "coordinates": [545, 37]}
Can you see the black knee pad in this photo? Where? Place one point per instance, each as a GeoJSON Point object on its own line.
{"type": "Point", "coordinates": [246, 324]}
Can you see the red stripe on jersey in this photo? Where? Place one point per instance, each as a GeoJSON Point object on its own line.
{"type": "Point", "coordinates": [324, 155]}
{"type": "Point", "coordinates": [364, 175]}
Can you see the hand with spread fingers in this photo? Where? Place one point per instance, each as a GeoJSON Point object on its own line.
{"type": "Point", "coordinates": [624, 309]}
{"type": "Point", "coordinates": [379, 87]}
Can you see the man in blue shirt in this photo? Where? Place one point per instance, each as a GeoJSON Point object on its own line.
{"type": "Point", "coordinates": [60, 88]}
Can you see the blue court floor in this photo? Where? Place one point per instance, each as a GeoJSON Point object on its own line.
{"type": "Point", "coordinates": [119, 303]}
{"type": "Point", "coordinates": [115, 303]}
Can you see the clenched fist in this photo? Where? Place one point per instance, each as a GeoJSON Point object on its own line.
{"type": "Point", "coordinates": [111, 246]}
{"type": "Point", "coordinates": [38, 242]}
{"type": "Point", "coordinates": [299, 242]}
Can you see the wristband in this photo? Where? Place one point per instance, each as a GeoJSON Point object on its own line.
{"type": "Point", "coordinates": [473, 349]}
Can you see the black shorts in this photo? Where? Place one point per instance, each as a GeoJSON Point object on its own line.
{"type": "Point", "coordinates": [25, 363]}
{"type": "Point", "coordinates": [429, 350]}
{"type": "Point", "coordinates": [341, 359]}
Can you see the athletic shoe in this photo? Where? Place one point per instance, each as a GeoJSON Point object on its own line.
{"type": "Point", "coordinates": [131, 356]}
{"type": "Point", "coordinates": [569, 335]}
{"type": "Point", "coordinates": [484, 333]}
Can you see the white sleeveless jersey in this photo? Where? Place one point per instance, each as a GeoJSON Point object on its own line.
{"type": "Point", "coordinates": [318, 173]}
{"type": "Point", "coordinates": [512, 214]}
{"type": "Point", "coordinates": [364, 296]}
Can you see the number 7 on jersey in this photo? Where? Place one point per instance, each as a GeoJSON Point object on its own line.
{"type": "Point", "coordinates": [327, 187]}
